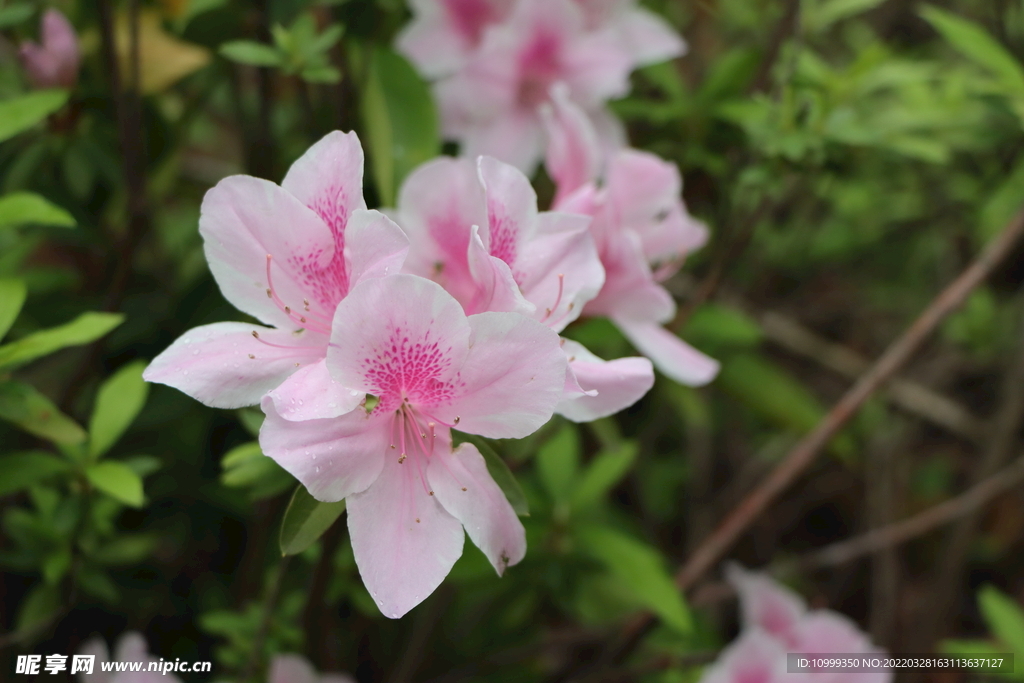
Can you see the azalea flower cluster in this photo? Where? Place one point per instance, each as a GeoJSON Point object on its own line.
{"type": "Point", "coordinates": [384, 331]}
{"type": "Point", "coordinates": [776, 621]}
{"type": "Point", "coordinates": [494, 62]}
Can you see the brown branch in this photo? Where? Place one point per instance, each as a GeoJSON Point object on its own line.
{"type": "Point", "coordinates": [804, 453]}
{"type": "Point", "coordinates": [950, 510]}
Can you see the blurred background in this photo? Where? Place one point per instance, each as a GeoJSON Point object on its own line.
{"type": "Point", "coordinates": [850, 157]}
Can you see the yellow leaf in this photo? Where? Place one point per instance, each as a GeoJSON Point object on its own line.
{"type": "Point", "coordinates": [163, 59]}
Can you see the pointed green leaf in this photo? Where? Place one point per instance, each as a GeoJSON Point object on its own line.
{"type": "Point", "coordinates": [245, 466]}
{"type": "Point", "coordinates": [558, 463]}
{"type": "Point", "coordinates": [499, 472]}
{"type": "Point", "coordinates": [38, 608]}
{"type": "Point", "coordinates": [118, 402]}
{"type": "Point", "coordinates": [21, 113]}
{"type": "Point", "coordinates": [25, 407]}
{"type": "Point", "coordinates": [116, 480]}
{"type": "Point", "coordinates": [1004, 616]}
{"type": "Point", "coordinates": [28, 208]}
{"type": "Point", "coordinates": [400, 119]}
{"type": "Point", "coordinates": [14, 13]}
{"type": "Point", "coordinates": [251, 53]}
{"type": "Point", "coordinates": [306, 520]}
{"type": "Point", "coordinates": [603, 472]}
{"type": "Point", "coordinates": [21, 470]}
{"type": "Point", "coordinates": [977, 45]}
{"type": "Point", "coordinates": [823, 15]}
{"type": "Point", "coordinates": [82, 330]}
{"type": "Point", "coordinates": [12, 298]}
{"type": "Point", "coordinates": [642, 569]}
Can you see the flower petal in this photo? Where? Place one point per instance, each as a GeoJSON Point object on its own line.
{"type": "Point", "coordinates": [332, 458]}
{"type": "Point", "coordinates": [511, 208]}
{"type": "Point", "coordinates": [328, 178]}
{"type": "Point", "coordinates": [513, 377]}
{"type": "Point", "coordinates": [374, 246]}
{"type": "Point", "coordinates": [432, 41]}
{"type": "Point", "coordinates": [516, 137]}
{"type": "Point", "coordinates": [493, 288]}
{"type": "Point", "coordinates": [573, 152]}
{"type": "Point", "coordinates": [399, 332]}
{"type": "Point", "coordinates": [766, 604]}
{"type": "Point", "coordinates": [618, 383]}
{"type": "Point", "coordinates": [223, 366]}
{"type": "Point", "coordinates": [629, 287]}
{"type": "Point", "coordinates": [670, 354]}
{"type": "Point", "coordinates": [754, 656]}
{"type": "Point", "coordinates": [240, 222]}
{"type": "Point", "coordinates": [404, 542]}
{"type": "Point", "coordinates": [464, 487]}
{"type": "Point", "coordinates": [647, 37]}
{"type": "Point", "coordinates": [437, 205]}
{"type": "Point", "coordinates": [596, 67]}
{"type": "Point", "coordinates": [290, 668]}
{"type": "Point", "coordinates": [559, 269]}
{"type": "Point", "coordinates": [312, 394]}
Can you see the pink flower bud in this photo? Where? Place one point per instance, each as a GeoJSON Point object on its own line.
{"type": "Point", "coordinates": [54, 64]}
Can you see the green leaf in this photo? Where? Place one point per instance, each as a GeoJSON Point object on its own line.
{"type": "Point", "coordinates": [642, 569]}
{"type": "Point", "coordinates": [251, 53]}
{"type": "Point", "coordinates": [116, 480]}
{"type": "Point", "coordinates": [22, 405]}
{"type": "Point", "coordinates": [15, 13]}
{"type": "Point", "coordinates": [125, 550]}
{"type": "Point", "coordinates": [25, 208]}
{"type": "Point", "coordinates": [822, 16]}
{"type": "Point", "coordinates": [977, 45]}
{"type": "Point", "coordinates": [321, 74]}
{"type": "Point", "coordinates": [326, 40]}
{"type": "Point", "coordinates": [12, 298]}
{"type": "Point", "coordinates": [715, 327]}
{"type": "Point", "coordinates": [603, 472]}
{"type": "Point", "coordinates": [21, 113]}
{"type": "Point", "coordinates": [400, 119]}
{"type": "Point", "coordinates": [20, 470]}
{"type": "Point", "coordinates": [558, 463]}
{"type": "Point", "coordinates": [85, 328]}
{"type": "Point", "coordinates": [55, 565]}
{"type": "Point", "coordinates": [251, 419]}
{"type": "Point", "coordinates": [306, 520]}
{"type": "Point", "coordinates": [38, 608]}
{"type": "Point", "coordinates": [775, 395]}
{"type": "Point", "coordinates": [118, 402]}
{"type": "Point", "coordinates": [1004, 616]}
{"type": "Point", "coordinates": [245, 466]}
{"type": "Point", "coordinates": [499, 472]}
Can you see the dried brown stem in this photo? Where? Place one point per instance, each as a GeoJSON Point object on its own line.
{"type": "Point", "coordinates": [959, 507]}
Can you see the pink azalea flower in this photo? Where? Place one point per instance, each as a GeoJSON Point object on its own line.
{"type": "Point", "coordinates": [406, 341]}
{"type": "Point", "coordinates": [754, 657]}
{"type": "Point", "coordinates": [131, 647]}
{"type": "Point", "coordinates": [286, 256]}
{"type": "Point", "coordinates": [295, 669]}
{"type": "Point", "coordinates": [491, 104]}
{"type": "Point", "coordinates": [648, 38]}
{"type": "Point", "coordinates": [768, 608]}
{"type": "Point", "coordinates": [642, 230]}
{"type": "Point", "coordinates": [475, 229]}
{"type": "Point", "coordinates": [54, 64]}
{"type": "Point", "coordinates": [444, 33]}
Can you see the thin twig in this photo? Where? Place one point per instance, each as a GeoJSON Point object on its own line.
{"type": "Point", "coordinates": [950, 510]}
{"type": "Point", "coordinates": [913, 397]}
{"type": "Point", "coordinates": [804, 453]}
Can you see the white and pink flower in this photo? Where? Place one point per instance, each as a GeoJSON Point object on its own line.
{"type": "Point", "coordinates": [54, 64]}
{"type": "Point", "coordinates": [131, 647]}
{"type": "Point", "coordinates": [775, 621]}
{"type": "Point", "coordinates": [286, 256]}
{"type": "Point", "coordinates": [642, 230]}
{"type": "Point", "coordinates": [475, 229]}
{"type": "Point", "coordinates": [407, 342]}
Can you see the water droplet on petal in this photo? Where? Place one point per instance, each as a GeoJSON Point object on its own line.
{"type": "Point", "coordinates": [195, 352]}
